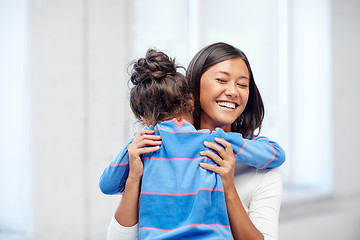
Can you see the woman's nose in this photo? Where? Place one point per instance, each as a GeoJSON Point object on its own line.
{"type": "Point", "coordinates": [231, 90]}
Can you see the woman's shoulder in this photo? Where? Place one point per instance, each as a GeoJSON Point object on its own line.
{"type": "Point", "coordinates": [253, 174]}
{"type": "Point", "coordinates": [249, 181]}
{"type": "Point", "coordinates": [250, 175]}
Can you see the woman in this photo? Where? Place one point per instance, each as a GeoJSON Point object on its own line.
{"type": "Point", "coordinates": [225, 96]}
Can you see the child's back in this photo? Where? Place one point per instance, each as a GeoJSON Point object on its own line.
{"type": "Point", "coordinates": [179, 199]}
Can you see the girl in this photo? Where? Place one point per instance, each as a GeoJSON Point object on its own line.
{"type": "Point", "coordinates": [225, 96]}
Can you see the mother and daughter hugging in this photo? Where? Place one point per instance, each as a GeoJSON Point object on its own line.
{"type": "Point", "coordinates": [177, 175]}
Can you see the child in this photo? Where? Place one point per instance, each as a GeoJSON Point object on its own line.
{"type": "Point", "coordinates": [178, 198]}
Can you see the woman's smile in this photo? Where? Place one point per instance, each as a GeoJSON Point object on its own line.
{"type": "Point", "coordinates": [227, 105]}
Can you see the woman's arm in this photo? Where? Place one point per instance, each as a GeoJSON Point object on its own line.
{"type": "Point", "coordinates": [264, 207]}
{"type": "Point", "coordinates": [240, 223]}
{"type": "Point", "coordinates": [127, 213]}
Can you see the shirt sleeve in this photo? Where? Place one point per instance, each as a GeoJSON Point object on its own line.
{"type": "Point", "coordinates": [117, 232]}
{"type": "Point", "coordinates": [264, 207]}
{"type": "Point", "coordinates": [113, 179]}
{"type": "Point", "coordinates": [259, 152]}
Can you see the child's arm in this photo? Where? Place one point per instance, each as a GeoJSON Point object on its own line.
{"type": "Point", "coordinates": [259, 152]}
{"type": "Point", "coordinates": [114, 177]}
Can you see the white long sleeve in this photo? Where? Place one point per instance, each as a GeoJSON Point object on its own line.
{"type": "Point", "coordinates": [118, 232]}
{"type": "Point", "coordinates": [260, 192]}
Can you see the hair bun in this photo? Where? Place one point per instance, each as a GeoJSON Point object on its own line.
{"type": "Point", "coordinates": [153, 67]}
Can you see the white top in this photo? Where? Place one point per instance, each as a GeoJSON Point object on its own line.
{"type": "Point", "coordinates": [116, 231]}
{"type": "Point", "coordinates": [260, 193]}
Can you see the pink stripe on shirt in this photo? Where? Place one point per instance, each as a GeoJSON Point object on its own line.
{"type": "Point", "coordinates": [199, 131]}
{"type": "Point", "coordinates": [183, 194]}
{"type": "Point", "coordinates": [272, 157]}
{"type": "Point", "coordinates": [191, 225]}
{"type": "Point", "coordinates": [175, 159]}
{"type": "Point", "coordinates": [119, 164]}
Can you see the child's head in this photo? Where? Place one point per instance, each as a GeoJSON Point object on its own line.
{"type": "Point", "coordinates": [159, 92]}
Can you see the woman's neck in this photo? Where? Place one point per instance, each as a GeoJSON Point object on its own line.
{"type": "Point", "coordinates": [211, 127]}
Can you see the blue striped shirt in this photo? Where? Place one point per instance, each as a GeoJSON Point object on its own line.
{"type": "Point", "coordinates": [179, 199]}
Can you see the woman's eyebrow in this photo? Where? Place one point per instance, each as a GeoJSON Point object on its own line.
{"type": "Point", "coordinates": [228, 74]}
{"type": "Point", "coordinates": [223, 72]}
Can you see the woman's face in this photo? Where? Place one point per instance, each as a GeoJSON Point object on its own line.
{"type": "Point", "coordinates": [224, 92]}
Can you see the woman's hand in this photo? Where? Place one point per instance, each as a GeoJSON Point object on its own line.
{"type": "Point", "coordinates": [240, 223]}
{"type": "Point", "coordinates": [143, 142]}
{"type": "Point", "coordinates": [127, 213]}
{"type": "Point", "coordinates": [225, 159]}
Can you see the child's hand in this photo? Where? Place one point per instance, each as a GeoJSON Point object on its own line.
{"type": "Point", "coordinates": [140, 145]}
{"type": "Point", "coordinates": [225, 159]}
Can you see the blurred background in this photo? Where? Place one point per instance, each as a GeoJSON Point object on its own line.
{"type": "Point", "coordinates": [64, 110]}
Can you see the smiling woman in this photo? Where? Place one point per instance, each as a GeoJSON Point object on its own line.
{"type": "Point", "coordinates": [224, 93]}
{"type": "Point", "coordinates": [224, 90]}
{"type": "Point", "coordinates": [223, 65]}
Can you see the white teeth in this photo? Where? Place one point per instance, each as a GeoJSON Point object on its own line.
{"type": "Point", "coordinates": [227, 105]}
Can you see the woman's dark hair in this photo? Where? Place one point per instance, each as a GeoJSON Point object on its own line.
{"type": "Point", "coordinates": [253, 114]}
{"type": "Point", "coordinates": [159, 92]}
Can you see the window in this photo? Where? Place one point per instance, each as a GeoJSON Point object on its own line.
{"type": "Point", "coordinates": [290, 57]}
{"type": "Point", "coordinates": [309, 166]}
{"type": "Point", "coordinates": [15, 201]}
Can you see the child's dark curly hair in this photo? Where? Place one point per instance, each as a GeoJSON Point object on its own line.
{"type": "Point", "coordinates": [159, 92]}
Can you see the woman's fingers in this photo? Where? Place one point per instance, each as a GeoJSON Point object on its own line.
{"type": "Point", "coordinates": [224, 158]}
{"type": "Point", "coordinates": [224, 151]}
{"type": "Point", "coordinates": [213, 156]}
{"type": "Point", "coordinates": [146, 131]}
{"type": "Point", "coordinates": [146, 138]}
{"type": "Point", "coordinates": [144, 142]}
{"type": "Point", "coordinates": [148, 149]}
{"type": "Point", "coordinates": [217, 148]}
{"type": "Point", "coordinates": [211, 167]}
{"type": "Point", "coordinates": [225, 144]}
{"type": "Point", "coordinates": [147, 142]}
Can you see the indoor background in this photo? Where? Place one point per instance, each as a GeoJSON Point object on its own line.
{"type": "Point", "coordinates": [64, 110]}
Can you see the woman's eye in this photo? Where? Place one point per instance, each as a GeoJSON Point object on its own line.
{"type": "Point", "coordinates": [242, 85]}
{"type": "Point", "coordinates": [221, 80]}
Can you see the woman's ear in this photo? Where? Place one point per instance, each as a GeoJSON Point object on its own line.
{"type": "Point", "coordinates": [145, 121]}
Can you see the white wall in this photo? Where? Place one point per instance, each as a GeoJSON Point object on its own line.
{"type": "Point", "coordinates": [336, 216]}
{"type": "Point", "coordinates": [78, 56]}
